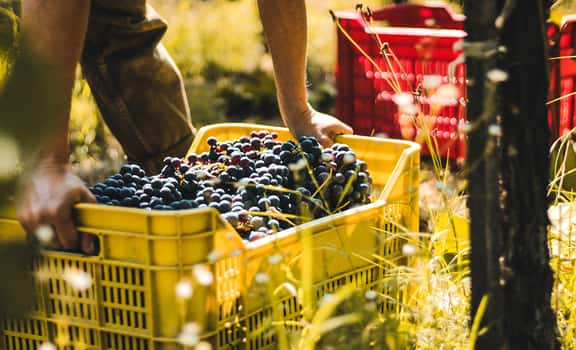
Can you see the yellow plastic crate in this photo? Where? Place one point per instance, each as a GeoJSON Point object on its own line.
{"type": "Point", "coordinates": [132, 303]}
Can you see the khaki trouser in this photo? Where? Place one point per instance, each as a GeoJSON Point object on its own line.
{"type": "Point", "coordinates": [137, 86]}
{"type": "Point", "coordinates": [135, 83]}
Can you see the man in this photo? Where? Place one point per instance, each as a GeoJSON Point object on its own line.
{"type": "Point", "coordinates": [139, 92]}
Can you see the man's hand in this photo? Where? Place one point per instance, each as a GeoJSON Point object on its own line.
{"type": "Point", "coordinates": [48, 198]}
{"type": "Point", "coordinates": [322, 126]}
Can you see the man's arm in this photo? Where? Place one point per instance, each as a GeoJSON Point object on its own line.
{"type": "Point", "coordinates": [285, 26]}
{"type": "Point", "coordinates": [54, 32]}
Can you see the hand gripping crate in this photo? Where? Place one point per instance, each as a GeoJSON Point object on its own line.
{"type": "Point", "coordinates": [426, 40]}
{"type": "Point", "coordinates": [132, 304]}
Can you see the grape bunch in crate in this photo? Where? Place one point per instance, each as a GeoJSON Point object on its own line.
{"type": "Point", "coordinates": [259, 184]}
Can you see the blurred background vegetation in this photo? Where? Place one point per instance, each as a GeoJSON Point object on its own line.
{"type": "Point", "coordinates": [220, 49]}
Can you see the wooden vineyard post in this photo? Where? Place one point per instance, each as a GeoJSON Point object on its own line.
{"type": "Point", "coordinates": [507, 72]}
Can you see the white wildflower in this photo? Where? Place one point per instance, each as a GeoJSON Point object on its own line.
{"type": "Point", "coordinates": [370, 295]}
{"type": "Point", "coordinates": [274, 259]}
{"type": "Point", "coordinates": [299, 165]}
{"type": "Point", "coordinates": [431, 81]}
{"type": "Point", "coordinates": [326, 298]}
{"type": "Point", "coordinates": [79, 280]}
{"type": "Point", "coordinates": [184, 289]}
{"type": "Point", "coordinates": [261, 278]}
{"type": "Point", "coordinates": [464, 127]}
{"type": "Point", "coordinates": [408, 249]}
{"type": "Point", "coordinates": [190, 334]}
{"type": "Point", "coordinates": [47, 346]}
{"type": "Point", "coordinates": [289, 287]}
{"type": "Point", "coordinates": [403, 99]}
{"type": "Point", "coordinates": [203, 345]}
{"type": "Point", "coordinates": [409, 110]}
{"type": "Point", "coordinates": [495, 130]}
{"type": "Point", "coordinates": [497, 75]}
{"type": "Point", "coordinates": [445, 95]}
{"type": "Point", "coordinates": [45, 234]}
{"type": "Point", "coordinates": [213, 256]}
{"type": "Point", "coordinates": [203, 275]}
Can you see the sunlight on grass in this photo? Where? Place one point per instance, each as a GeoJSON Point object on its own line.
{"type": "Point", "coordinates": [420, 298]}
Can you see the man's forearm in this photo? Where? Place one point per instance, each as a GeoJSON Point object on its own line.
{"type": "Point", "coordinates": [54, 32]}
{"type": "Point", "coordinates": [285, 27]}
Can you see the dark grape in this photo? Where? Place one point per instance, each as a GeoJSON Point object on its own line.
{"type": "Point", "coordinates": [241, 177]}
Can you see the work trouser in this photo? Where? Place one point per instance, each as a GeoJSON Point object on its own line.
{"type": "Point", "coordinates": [135, 83]}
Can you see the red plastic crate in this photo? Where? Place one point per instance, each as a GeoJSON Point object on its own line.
{"type": "Point", "coordinates": [562, 40]}
{"type": "Point", "coordinates": [425, 39]}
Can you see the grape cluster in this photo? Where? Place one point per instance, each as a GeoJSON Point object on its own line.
{"type": "Point", "coordinates": [259, 184]}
